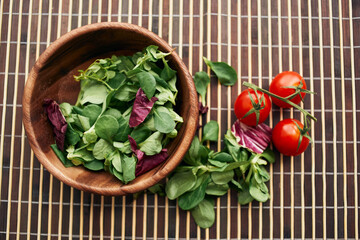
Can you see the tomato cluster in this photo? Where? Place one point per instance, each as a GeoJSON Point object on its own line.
{"type": "Point", "coordinates": [287, 89]}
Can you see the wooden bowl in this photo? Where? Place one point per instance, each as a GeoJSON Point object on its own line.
{"type": "Point", "coordinates": [52, 77]}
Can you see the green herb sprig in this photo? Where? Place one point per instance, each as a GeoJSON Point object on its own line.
{"type": "Point", "coordinates": [224, 72]}
{"type": "Point", "coordinates": [205, 174]}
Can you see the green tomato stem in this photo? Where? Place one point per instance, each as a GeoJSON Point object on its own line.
{"type": "Point", "coordinates": [292, 95]}
{"type": "Point", "coordinates": [256, 88]}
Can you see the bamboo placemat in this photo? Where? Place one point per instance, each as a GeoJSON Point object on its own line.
{"type": "Point", "coordinates": [314, 195]}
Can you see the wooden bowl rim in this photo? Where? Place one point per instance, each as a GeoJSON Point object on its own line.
{"type": "Point", "coordinates": [132, 187]}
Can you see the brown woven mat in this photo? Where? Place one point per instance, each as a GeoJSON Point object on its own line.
{"type": "Point", "coordinates": [314, 195]}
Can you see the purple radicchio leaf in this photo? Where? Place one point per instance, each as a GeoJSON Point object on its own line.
{"type": "Point", "coordinates": [57, 120]}
{"type": "Point", "coordinates": [133, 143]}
{"type": "Point", "coordinates": [255, 139]}
{"type": "Point", "coordinates": [146, 163]}
{"type": "Point", "coordinates": [139, 154]}
{"type": "Point", "coordinates": [149, 162]}
{"type": "Point", "coordinates": [203, 109]}
{"type": "Point", "coordinates": [142, 107]}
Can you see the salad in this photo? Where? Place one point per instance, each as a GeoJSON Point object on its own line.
{"type": "Point", "coordinates": [123, 118]}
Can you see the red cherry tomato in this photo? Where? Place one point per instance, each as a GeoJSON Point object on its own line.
{"type": "Point", "coordinates": [243, 105]}
{"type": "Point", "coordinates": [286, 136]}
{"type": "Point", "coordinates": [279, 86]}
